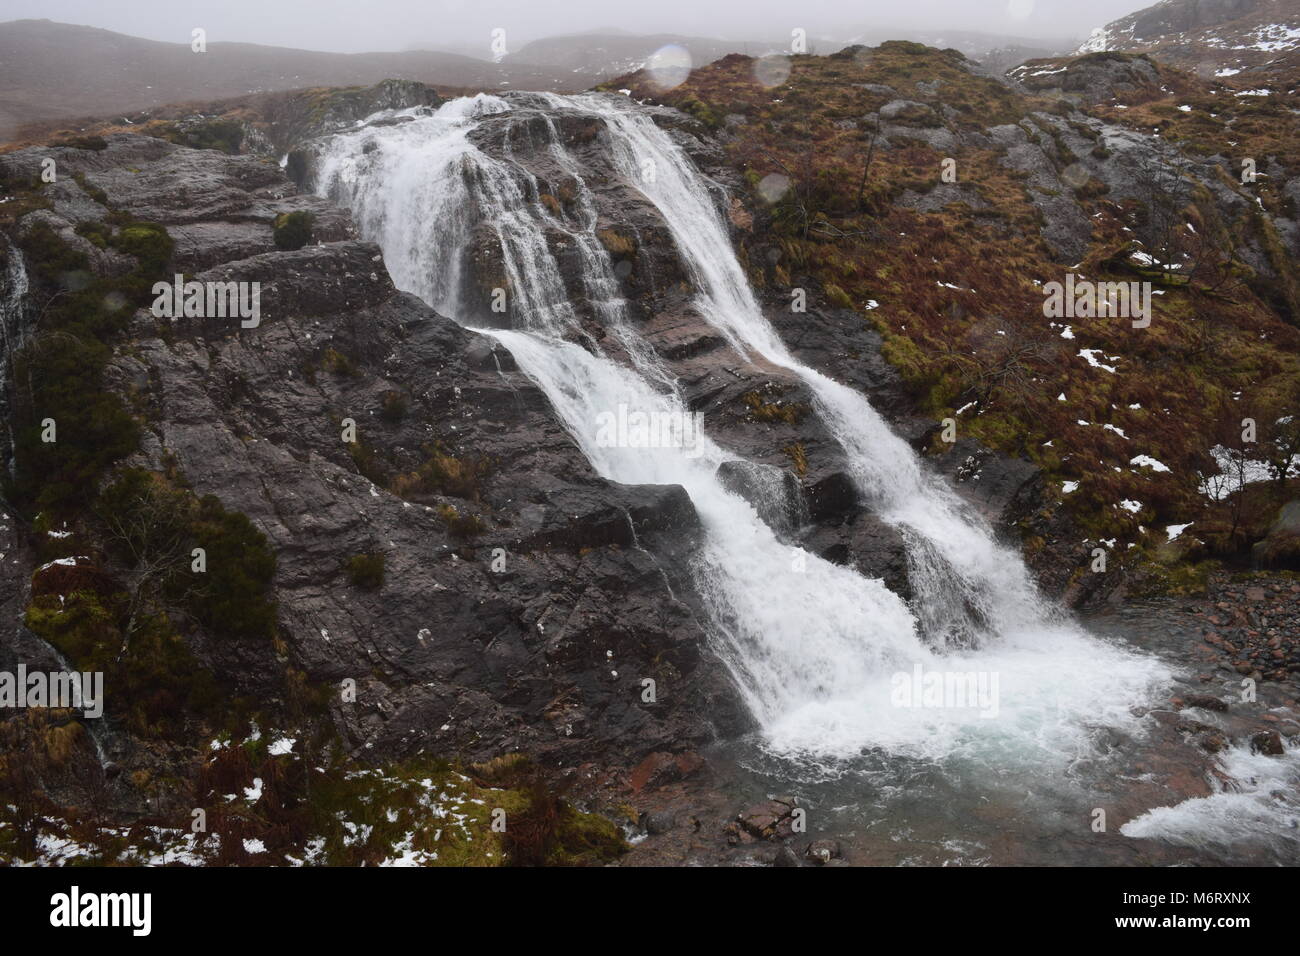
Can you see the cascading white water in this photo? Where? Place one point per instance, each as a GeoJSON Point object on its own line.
{"type": "Point", "coordinates": [812, 646]}
{"type": "Point", "coordinates": [968, 586]}
{"type": "Point", "coordinates": [13, 305]}
{"type": "Point", "coordinates": [13, 302]}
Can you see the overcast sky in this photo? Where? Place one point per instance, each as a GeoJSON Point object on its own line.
{"type": "Point", "coordinates": [363, 25]}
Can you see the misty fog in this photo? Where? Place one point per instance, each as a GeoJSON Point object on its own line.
{"type": "Point", "coordinates": [465, 26]}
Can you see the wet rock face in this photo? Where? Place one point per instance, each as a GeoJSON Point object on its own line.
{"type": "Point", "coordinates": [776, 494]}
{"type": "Point", "coordinates": [524, 600]}
{"type": "Point", "coordinates": [772, 820]}
{"type": "Point", "coordinates": [641, 250]}
{"type": "Point", "coordinates": [1165, 18]}
{"type": "Point", "coordinates": [1281, 546]}
{"type": "Point", "coordinates": [794, 473]}
{"type": "Point", "coordinates": [1065, 228]}
{"type": "Point", "coordinates": [1092, 79]}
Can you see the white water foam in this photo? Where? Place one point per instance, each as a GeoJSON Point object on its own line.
{"type": "Point", "coordinates": [1259, 803]}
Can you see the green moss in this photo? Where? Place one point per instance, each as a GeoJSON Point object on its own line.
{"type": "Point", "coordinates": [701, 111]}
{"type": "Point", "coordinates": [368, 816]}
{"type": "Point", "coordinates": [460, 526]}
{"type": "Point", "coordinates": [393, 407]}
{"type": "Point", "coordinates": [152, 681]}
{"type": "Point", "coordinates": [60, 370]}
{"type": "Point", "coordinates": [838, 297]}
{"type": "Point", "coordinates": [764, 411]}
{"type": "Point", "coordinates": [293, 230]}
{"type": "Point", "coordinates": [97, 232]}
{"type": "Point", "coordinates": [543, 829]}
{"type": "Point", "coordinates": [616, 243]}
{"type": "Point", "coordinates": [798, 458]}
{"type": "Point", "coordinates": [95, 143]}
{"type": "Point", "coordinates": [335, 361]}
{"type": "Point", "coordinates": [234, 597]}
{"type": "Point", "coordinates": [1181, 579]}
{"type": "Point", "coordinates": [94, 192]}
{"type": "Point", "coordinates": [585, 839]}
{"type": "Point", "coordinates": [155, 524]}
{"type": "Point", "coordinates": [370, 463]}
{"type": "Point", "coordinates": [225, 135]}
{"type": "Point", "coordinates": [443, 474]}
{"type": "Point", "coordinates": [902, 353]}
{"type": "Point", "coordinates": [366, 571]}
{"type": "Point", "coordinates": [150, 245]}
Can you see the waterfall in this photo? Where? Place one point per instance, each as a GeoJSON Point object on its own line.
{"type": "Point", "coordinates": [814, 648]}
{"type": "Point", "coordinates": [13, 328]}
{"type": "Point", "coordinates": [968, 586]}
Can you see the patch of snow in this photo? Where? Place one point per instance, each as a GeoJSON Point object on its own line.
{"type": "Point", "coordinates": [1236, 471]}
{"type": "Point", "coordinates": [1090, 356]}
{"type": "Point", "coordinates": [1149, 462]}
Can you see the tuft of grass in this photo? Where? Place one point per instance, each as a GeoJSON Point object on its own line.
{"type": "Point", "coordinates": [764, 411]}
{"type": "Point", "coordinates": [292, 230]}
{"type": "Point", "coordinates": [442, 474]}
{"type": "Point", "coordinates": [393, 407]}
{"type": "Point", "coordinates": [366, 571]}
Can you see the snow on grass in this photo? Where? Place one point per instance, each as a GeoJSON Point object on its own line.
{"type": "Point", "coordinates": [1174, 530]}
{"type": "Point", "coordinates": [1090, 356]}
{"type": "Point", "coordinates": [1146, 461]}
{"type": "Point", "coordinates": [1236, 471]}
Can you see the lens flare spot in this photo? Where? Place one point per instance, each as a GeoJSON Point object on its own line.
{"type": "Point", "coordinates": [772, 70]}
{"type": "Point", "coordinates": [773, 187]}
{"type": "Point", "coordinates": [669, 66]}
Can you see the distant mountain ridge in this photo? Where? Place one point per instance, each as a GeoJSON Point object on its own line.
{"type": "Point", "coordinates": [603, 55]}
{"type": "Point", "coordinates": [59, 71]}
{"type": "Point", "coordinates": [1220, 37]}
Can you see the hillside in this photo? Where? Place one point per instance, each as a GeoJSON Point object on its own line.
{"type": "Point", "coordinates": [1210, 37]}
{"type": "Point", "coordinates": [599, 56]}
{"type": "Point", "coordinates": [1055, 165]}
{"type": "Point", "coordinates": [843, 164]}
{"type": "Point", "coordinates": [60, 72]}
{"type": "Point", "coordinates": [594, 57]}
